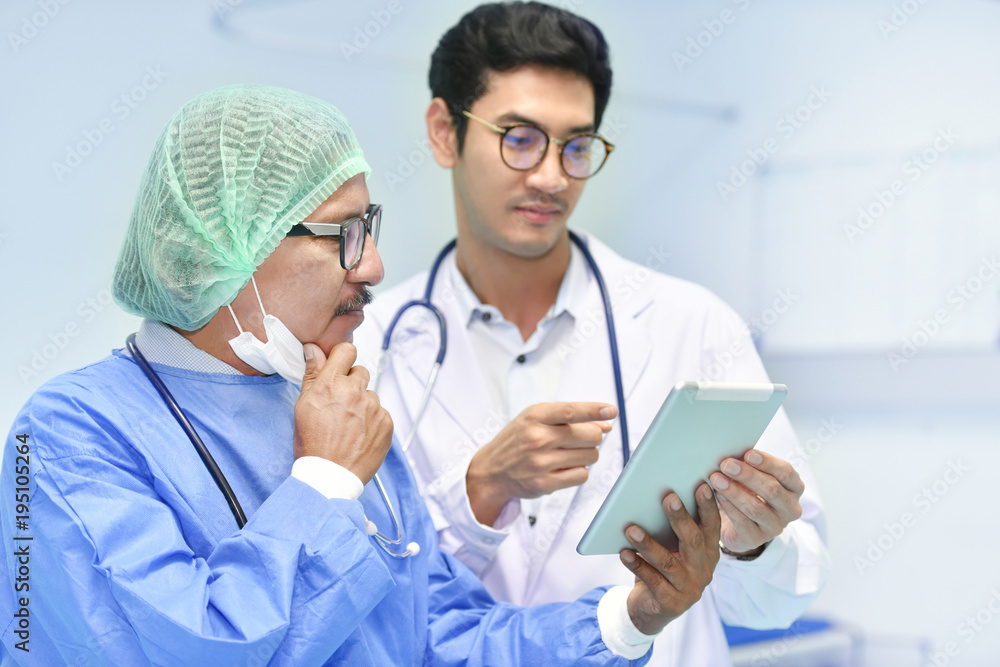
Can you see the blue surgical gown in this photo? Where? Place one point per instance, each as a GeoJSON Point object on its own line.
{"type": "Point", "coordinates": [135, 557]}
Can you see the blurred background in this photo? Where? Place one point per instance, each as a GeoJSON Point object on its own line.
{"type": "Point", "coordinates": [831, 169]}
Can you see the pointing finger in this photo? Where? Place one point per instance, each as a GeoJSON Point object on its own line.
{"type": "Point", "coordinates": [587, 434]}
{"type": "Point", "coordinates": [573, 413]}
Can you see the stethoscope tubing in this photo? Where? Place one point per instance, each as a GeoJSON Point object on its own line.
{"type": "Point", "coordinates": [220, 479]}
{"type": "Point", "coordinates": [189, 430]}
{"type": "Point", "coordinates": [612, 340]}
{"type": "Point", "coordinates": [425, 302]}
{"type": "Point", "coordinates": [384, 541]}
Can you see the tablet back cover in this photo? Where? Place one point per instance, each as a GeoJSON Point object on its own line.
{"type": "Point", "coordinates": [698, 425]}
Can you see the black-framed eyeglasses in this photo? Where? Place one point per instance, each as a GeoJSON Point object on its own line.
{"type": "Point", "coordinates": [523, 147]}
{"type": "Point", "coordinates": [352, 233]}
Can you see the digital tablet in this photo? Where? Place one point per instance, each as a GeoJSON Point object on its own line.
{"type": "Point", "coordinates": [699, 425]}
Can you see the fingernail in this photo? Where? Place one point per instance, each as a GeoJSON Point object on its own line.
{"type": "Point", "coordinates": [675, 502]}
{"type": "Point", "coordinates": [720, 481]}
{"type": "Point", "coordinates": [635, 533]}
{"type": "Point", "coordinates": [307, 350]}
{"type": "Point", "coordinates": [608, 413]}
{"type": "Point", "coordinates": [706, 492]}
{"type": "Point", "coordinates": [730, 467]}
{"type": "Point", "coordinates": [753, 458]}
{"type": "Point", "coordinates": [628, 556]}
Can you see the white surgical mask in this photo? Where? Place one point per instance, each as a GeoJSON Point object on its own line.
{"type": "Point", "coordinates": [281, 354]}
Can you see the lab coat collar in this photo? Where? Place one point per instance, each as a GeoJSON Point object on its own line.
{"type": "Point", "coordinates": [572, 289]}
{"type": "Point", "coordinates": [461, 393]}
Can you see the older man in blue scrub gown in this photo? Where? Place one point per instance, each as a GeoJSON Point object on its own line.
{"type": "Point", "coordinates": [253, 233]}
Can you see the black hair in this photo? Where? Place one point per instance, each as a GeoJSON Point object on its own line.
{"type": "Point", "coordinates": [502, 36]}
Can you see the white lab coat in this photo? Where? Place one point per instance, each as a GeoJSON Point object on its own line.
{"type": "Point", "coordinates": [668, 330]}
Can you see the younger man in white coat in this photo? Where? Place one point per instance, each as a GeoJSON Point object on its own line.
{"type": "Point", "coordinates": [507, 451]}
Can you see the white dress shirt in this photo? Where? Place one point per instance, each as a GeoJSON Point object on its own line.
{"type": "Point", "coordinates": [668, 331]}
{"type": "Point", "coordinates": [160, 344]}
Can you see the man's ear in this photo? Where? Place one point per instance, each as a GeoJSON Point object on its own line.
{"type": "Point", "coordinates": [441, 134]}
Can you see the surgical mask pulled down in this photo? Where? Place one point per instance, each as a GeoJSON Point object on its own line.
{"type": "Point", "coordinates": [281, 354]}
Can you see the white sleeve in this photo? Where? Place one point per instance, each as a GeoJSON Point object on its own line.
{"type": "Point", "coordinates": [617, 629]}
{"type": "Point", "coordinates": [459, 533]}
{"type": "Point", "coordinates": [776, 588]}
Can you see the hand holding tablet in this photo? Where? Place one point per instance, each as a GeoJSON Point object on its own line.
{"type": "Point", "coordinates": [699, 426]}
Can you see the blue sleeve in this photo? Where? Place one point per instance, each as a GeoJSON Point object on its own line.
{"type": "Point", "coordinates": [468, 628]}
{"type": "Point", "coordinates": [113, 580]}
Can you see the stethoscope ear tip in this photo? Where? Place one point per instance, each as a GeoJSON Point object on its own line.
{"type": "Point", "coordinates": [413, 548]}
{"type": "Point", "coordinates": [370, 527]}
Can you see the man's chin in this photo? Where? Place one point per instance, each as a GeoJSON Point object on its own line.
{"type": "Point", "coordinates": [341, 330]}
{"type": "Point", "coordinates": [532, 248]}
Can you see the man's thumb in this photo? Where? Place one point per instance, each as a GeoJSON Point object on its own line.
{"type": "Point", "coordinates": [315, 360]}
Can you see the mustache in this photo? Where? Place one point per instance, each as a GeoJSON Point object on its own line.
{"type": "Point", "coordinates": [356, 301]}
{"type": "Point", "coordinates": [541, 199]}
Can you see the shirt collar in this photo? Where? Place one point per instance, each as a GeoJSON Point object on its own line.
{"type": "Point", "coordinates": [160, 344]}
{"type": "Point", "coordinates": [569, 299]}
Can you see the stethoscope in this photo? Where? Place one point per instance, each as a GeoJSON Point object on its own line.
{"type": "Point", "coordinates": [388, 544]}
{"type": "Point", "coordinates": [425, 302]}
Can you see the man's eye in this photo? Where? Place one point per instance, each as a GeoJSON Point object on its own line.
{"type": "Point", "coordinates": [519, 142]}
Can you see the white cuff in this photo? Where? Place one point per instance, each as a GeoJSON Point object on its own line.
{"type": "Point", "coordinates": [330, 479]}
{"type": "Point", "coordinates": [452, 494]}
{"type": "Point", "coordinates": [769, 558]}
{"type": "Point", "coordinates": [617, 629]}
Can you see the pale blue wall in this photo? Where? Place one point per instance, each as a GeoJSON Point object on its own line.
{"type": "Point", "coordinates": [680, 129]}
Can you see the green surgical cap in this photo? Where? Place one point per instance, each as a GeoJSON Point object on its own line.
{"type": "Point", "coordinates": [234, 169]}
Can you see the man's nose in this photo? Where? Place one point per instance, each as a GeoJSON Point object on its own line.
{"type": "Point", "coordinates": [549, 176]}
{"type": "Point", "coordinates": [369, 270]}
